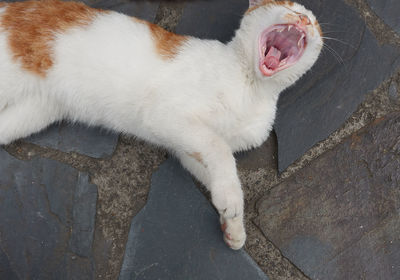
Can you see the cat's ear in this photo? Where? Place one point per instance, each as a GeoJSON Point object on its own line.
{"type": "Point", "coordinates": [253, 3]}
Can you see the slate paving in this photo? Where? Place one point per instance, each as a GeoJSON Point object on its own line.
{"type": "Point", "coordinates": [177, 235]}
{"type": "Point", "coordinates": [47, 217]}
{"type": "Point", "coordinates": [338, 218]}
{"type": "Point", "coordinates": [211, 20]}
{"type": "Point", "coordinates": [139, 8]}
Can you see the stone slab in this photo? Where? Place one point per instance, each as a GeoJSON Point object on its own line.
{"type": "Point", "coordinates": [327, 96]}
{"type": "Point", "coordinates": [47, 215]}
{"type": "Point", "coordinates": [338, 218]}
{"type": "Point", "coordinates": [216, 19]}
{"type": "Point", "coordinates": [91, 141]}
{"type": "Point", "coordinates": [177, 235]}
{"type": "Point", "coordinates": [142, 9]}
{"type": "Point", "coordinates": [388, 11]}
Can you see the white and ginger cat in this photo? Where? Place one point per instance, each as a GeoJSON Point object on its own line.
{"type": "Point", "coordinates": [200, 99]}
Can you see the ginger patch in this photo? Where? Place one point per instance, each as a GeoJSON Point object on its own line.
{"type": "Point", "coordinates": [32, 26]}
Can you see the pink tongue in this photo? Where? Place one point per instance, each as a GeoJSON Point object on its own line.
{"type": "Point", "coordinates": [272, 58]}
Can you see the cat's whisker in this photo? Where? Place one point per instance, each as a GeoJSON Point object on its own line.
{"type": "Point", "coordinates": [338, 40]}
{"type": "Point", "coordinates": [328, 23]}
{"type": "Point", "coordinates": [334, 31]}
{"type": "Point", "coordinates": [335, 54]}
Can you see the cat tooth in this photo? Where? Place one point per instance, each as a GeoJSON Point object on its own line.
{"type": "Point", "coordinates": [300, 40]}
{"type": "Point", "coordinates": [289, 27]}
{"type": "Point", "coordinates": [280, 30]}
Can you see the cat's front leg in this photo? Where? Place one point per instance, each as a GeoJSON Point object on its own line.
{"type": "Point", "coordinates": [227, 197]}
{"type": "Point", "coordinates": [209, 158]}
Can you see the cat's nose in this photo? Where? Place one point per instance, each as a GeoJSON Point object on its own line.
{"type": "Point", "coordinates": [304, 20]}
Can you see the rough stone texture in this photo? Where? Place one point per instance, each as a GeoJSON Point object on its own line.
{"type": "Point", "coordinates": [338, 217]}
{"type": "Point", "coordinates": [177, 235]}
{"type": "Point", "coordinates": [388, 10]}
{"type": "Point", "coordinates": [45, 226]}
{"type": "Point", "coordinates": [218, 19]}
{"type": "Point", "coordinates": [93, 142]}
{"type": "Point", "coordinates": [393, 92]}
{"type": "Point", "coordinates": [169, 14]}
{"type": "Point", "coordinates": [320, 103]}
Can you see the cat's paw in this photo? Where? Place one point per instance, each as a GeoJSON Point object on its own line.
{"type": "Point", "coordinates": [234, 232]}
{"type": "Point", "coordinates": [228, 201]}
{"type": "Point", "coordinates": [229, 204]}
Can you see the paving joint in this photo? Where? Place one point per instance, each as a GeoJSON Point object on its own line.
{"type": "Point", "coordinates": [382, 32]}
{"type": "Point", "coordinates": [377, 104]}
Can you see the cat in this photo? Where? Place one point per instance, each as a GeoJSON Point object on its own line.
{"type": "Point", "coordinates": [200, 99]}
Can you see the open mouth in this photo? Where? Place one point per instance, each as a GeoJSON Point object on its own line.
{"type": "Point", "coordinates": [281, 46]}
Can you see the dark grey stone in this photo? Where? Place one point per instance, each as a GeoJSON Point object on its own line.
{"type": "Point", "coordinates": [388, 11]}
{"type": "Point", "coordinates": [93, 142]}
{"type": "Point", "coordinates": [393, 92]}
{"type": "Point", "coordinates": [5, 270]}
{"type": "Point", "coordinates": [177, 235]}
{"type": "Point", "coordinates": [323, 100]}
{"type": "Point", "coordinates": [217, 19]}
{"type": "Point", "coordinates": [138, 8]}
{"type": "Point", "coordinates": [338, 218]}
{"type": "Point", "coordinates": [84, 213]}
{"type": "Point", "coordinates": [39, 204]}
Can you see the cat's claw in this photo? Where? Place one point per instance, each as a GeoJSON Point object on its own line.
{"type": "Point", "coordinates": [234, 233]}
{"type": "Point", "coordinates": [229, 204]}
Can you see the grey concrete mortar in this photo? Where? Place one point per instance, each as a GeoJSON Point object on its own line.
{"type": "Point", "coordinates": [169, 14]}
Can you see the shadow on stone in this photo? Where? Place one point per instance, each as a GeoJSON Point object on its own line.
{"type": "Point", "coordinates": [91, 141]}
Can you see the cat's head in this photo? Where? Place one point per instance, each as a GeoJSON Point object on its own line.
{"type": "Point", "coordinates": [285, 39]}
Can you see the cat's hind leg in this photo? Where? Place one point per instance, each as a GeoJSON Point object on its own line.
{"type": "Point", "coordinates": [26, 117]}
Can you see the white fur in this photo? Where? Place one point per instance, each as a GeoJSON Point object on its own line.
{"type": "Point", "coordinates": [210, 99]}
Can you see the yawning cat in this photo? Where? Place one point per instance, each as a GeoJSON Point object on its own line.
{"type": "Point", "coordinates": [200, 99]}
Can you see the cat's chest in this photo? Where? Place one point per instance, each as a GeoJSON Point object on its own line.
{"type": "Point", "coordinates": [249, 125]}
